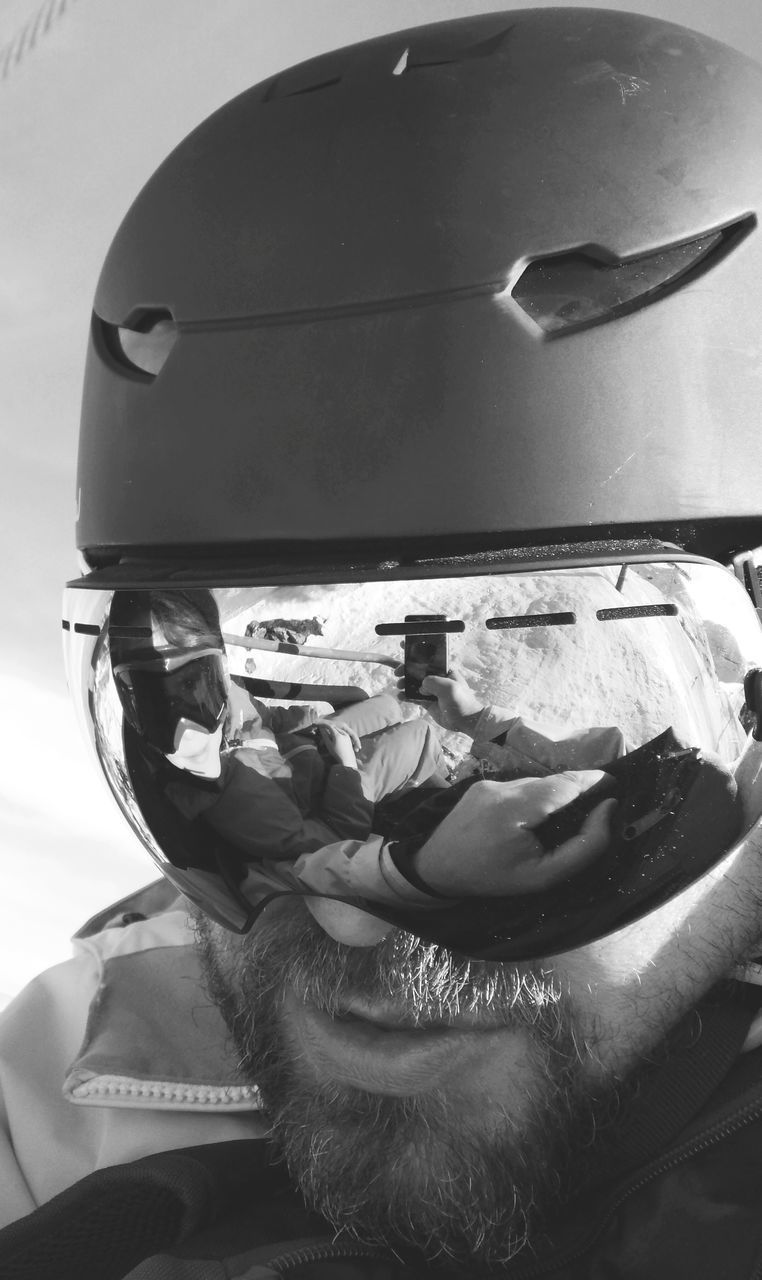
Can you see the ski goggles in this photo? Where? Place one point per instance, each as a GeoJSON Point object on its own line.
{"type": "Point", "coordinates": [363, 718]}
{"type": "Point", "coordinates": [157, 696]}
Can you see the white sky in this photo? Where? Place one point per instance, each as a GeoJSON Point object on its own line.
{"type": "Point", "coordinates": [85, 117]}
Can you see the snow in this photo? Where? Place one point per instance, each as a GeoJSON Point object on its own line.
{"type": "Point", "coordinates": [642, 675]}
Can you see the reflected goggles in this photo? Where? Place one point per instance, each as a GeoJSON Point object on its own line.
{"type": "Point", "coordinates": [509, 764]}
{"type": "Point", "coordinates": [157, 697]}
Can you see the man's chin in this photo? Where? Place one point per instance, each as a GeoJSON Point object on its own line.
{"type": "Point", "coordinates": [405, 1173]}
{"type": "Point", "coordinates": [418, 1100]}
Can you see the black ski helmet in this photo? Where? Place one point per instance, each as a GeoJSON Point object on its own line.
{"type": "Point", "coordinates": [465, 320]}
{"type": "Point", "coordinates": [490, 282]}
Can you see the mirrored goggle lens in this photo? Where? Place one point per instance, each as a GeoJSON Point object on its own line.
{"type": "Point", "coordinates": [195, 691]}
{"type": "Point", "coordinates": [507, 764]}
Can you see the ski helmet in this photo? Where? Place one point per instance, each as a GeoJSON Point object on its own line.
{"type": "Point", "coordinates": [451, 337]}
{"type": "Point", "coordinates": [489, 281]}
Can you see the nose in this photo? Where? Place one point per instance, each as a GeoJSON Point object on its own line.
{"type": "Point", "coordinates": [347, 924]}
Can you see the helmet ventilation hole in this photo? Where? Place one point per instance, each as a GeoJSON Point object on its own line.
{"type": "Point", "coordinates": [566, 292]}
{"type": "Point", "coordinates": [144, 345]}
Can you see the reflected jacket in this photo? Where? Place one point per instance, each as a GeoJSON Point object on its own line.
{"type": "Point", "coordinates": [372, 868]}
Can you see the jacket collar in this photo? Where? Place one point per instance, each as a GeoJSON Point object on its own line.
{"type": "Point", "coordinates": [153, 1037]}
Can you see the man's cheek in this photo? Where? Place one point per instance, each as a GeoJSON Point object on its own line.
{"type": "Point", "coordinates": [627, 989]}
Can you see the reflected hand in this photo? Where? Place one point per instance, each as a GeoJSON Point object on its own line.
{"type": "Point", "coordinates": [340, 741]}
{"type": "Point", "coordinates": [455, 702]}
{"type": "Point", "coordinates": [487, 845]}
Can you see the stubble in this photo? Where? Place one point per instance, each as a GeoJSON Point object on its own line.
{"type": "Point", "coordinates": [429, 1171]}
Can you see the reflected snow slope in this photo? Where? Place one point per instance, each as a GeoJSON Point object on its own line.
{"type": "Point", "coordinates": [682, 671]}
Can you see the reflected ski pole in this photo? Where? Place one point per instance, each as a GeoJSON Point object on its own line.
{"type": "Point", "coordinates": [310, 651]}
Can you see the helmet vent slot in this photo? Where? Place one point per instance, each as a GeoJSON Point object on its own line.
{"type": "Point", "coordinates": [311, 77]}
{"type": "Point", "coordinates": [325, 73]}
{"type": "Point", "coordinates": [142, 346]}
{"type": "Point", "coordinates": [440, 55]}
{"type": "Point", "coordinates": [566, 292]}
{"type": "Point", "coordinates": [308, 88]}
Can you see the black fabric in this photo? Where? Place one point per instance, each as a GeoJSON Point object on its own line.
{"type": "Point", "coordinates": [407, 821]}
{"type": "Point", "coordinates": [701, 1060]}
{"type": "Point", "coordinates": [107, 1223]}
{"type": "Point", "coordinates": [676, 807]}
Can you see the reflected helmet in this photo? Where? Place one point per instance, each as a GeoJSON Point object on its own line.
{"type": "Point", "coordinates": [428, 369]}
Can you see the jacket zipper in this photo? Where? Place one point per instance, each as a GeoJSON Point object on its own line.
{"type": "Point", "coordinates": [723, 1129]}
{"type": "Point", "coordinates": [318, 1252]}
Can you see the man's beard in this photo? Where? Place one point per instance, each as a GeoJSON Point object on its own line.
{"type": "Point", "coordinates": [414, 1171]}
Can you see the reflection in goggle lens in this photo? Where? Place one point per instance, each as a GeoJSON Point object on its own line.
{"type": "Point", "coordinates": [507, 764]}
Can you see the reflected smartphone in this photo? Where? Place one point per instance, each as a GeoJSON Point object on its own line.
{"type": "Point", "coordinates": [424, 655]}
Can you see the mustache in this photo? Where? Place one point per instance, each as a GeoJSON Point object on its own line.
{"type": "Point", "coordinates": [422, 983]}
